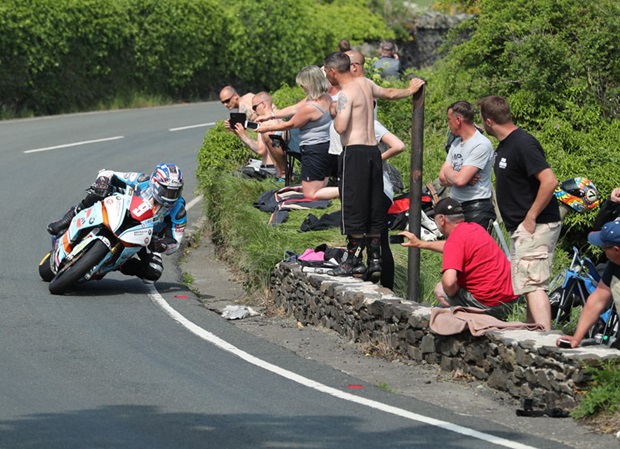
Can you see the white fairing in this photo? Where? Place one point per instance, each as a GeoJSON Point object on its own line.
{"type": "Point", "coordinates": [116, 208]}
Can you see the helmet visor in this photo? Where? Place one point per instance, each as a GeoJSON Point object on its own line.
{"type": "Point", "coordinates": [166, 194]}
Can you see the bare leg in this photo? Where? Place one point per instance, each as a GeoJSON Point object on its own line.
{"type": "Point", "coordinates": [278, 158]}
{"type": "Point", "coordinates": [327, 193]}
{"type": "Point", "coordinates": [310, 188]}
{"type": "Point", "coordinates": [539, 308]}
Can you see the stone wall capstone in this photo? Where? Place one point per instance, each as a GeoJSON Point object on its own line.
{"type": "Point", "coordinates": [523, 364]}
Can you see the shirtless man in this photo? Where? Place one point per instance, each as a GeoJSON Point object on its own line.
{"type": "Point", "coordinates": [262, 105]}
{"type": "Point", "coordinates": [361, 183]}
{"type": "Point", "coordinates": [232, 100]}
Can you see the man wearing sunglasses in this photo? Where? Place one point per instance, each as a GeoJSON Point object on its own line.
{"type": "Point", "coordinates": [271, 156]}
{"type": "Point", "coordinates": [231, 99]}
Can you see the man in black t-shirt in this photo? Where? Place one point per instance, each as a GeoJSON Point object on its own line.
{"type": "Point", "coordinates": [607, 289]}
{"type": "Point", "coordinates": [525, 187]}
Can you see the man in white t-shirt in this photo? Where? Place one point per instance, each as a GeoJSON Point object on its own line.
{"type": "Point", "coordinates": [469, 166]}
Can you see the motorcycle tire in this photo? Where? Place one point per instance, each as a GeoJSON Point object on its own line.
{"type": "Point", "coordinates": [89, 258]}
{"type": "Point", "coordinates": [45, 270]}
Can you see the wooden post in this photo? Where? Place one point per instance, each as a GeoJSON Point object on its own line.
{"type": "Point", "coordinates": [415, 191]}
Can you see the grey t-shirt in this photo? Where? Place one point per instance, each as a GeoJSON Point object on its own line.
{"type": "Point", "coordinates": [388, 67]}
{"type": "Point", "coordinates": [477, 151]}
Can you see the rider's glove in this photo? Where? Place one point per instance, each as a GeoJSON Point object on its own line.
{"type": "Point", "coordinates": [161, 244]}
{"type": "Point", "coordinates": [101, 187]}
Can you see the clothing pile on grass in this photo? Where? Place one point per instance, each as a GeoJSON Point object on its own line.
{"type": "Point", "coordinates": [256, 170]}
{"type": "Point", "coordinates": [280, 201]}
{"type": "Point", "coordinates": [321, 259]}
{"type": "Point", "coordinates": [397, 220]}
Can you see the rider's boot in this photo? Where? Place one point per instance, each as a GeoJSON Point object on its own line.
{"type": "Point", "coordinates": [56, 227]}
{"type": "Point", "coordinates": [352, 263]}
{"type": "Point", "coordinates": [373, 248]}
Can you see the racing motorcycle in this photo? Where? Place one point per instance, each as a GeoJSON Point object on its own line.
{"type": "Point", "coordinates": [100, 239]}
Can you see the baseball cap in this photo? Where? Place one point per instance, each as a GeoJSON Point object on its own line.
{"type": "Point", "coordinates": [609, 235]}
{"type": "Point", "coordinates": [448, 206]}
{"type": "Point", "coordinates": [387, 46]}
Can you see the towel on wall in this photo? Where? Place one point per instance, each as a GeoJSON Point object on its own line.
{"type": "Point", "coordinates": [454, 320]}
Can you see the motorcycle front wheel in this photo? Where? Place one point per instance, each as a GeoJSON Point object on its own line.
{"type": "Point", "coordinates": [89, 259]}
{"type": "Point", "coordinates": [45, 270]}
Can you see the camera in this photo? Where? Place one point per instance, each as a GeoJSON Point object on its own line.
{"type": "Point", "coordinates": [564, 343]}
{"type": "Point", "coordinates": [394, 239]}
{"type": "Point", "coordinates": [237, 117]}
{"type": "Point", "coordinates": [240, 117]}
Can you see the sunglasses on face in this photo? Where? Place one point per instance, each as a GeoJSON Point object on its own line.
{"type": "Point", "coordinates": [254, 106]}
{"type": "Point", "coordinates": [227, 100]}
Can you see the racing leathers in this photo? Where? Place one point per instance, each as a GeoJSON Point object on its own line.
{"type": "Point", "coordinates": [170, 221]}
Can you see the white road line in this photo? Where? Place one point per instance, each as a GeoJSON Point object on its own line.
{"type": "Point", "coordinates": [75, 144]}
{"type": "Point", "coordinates": [193, 202]}
{"type": "Point", "coordinates": [202, 125]}
{"type": "Point", "coordinates": [215, 340]}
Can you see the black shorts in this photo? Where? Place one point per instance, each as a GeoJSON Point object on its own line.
{"type": "Point", "coordinates": [315, 162]}
{"type": "Point", "coordinates": [364, 205]}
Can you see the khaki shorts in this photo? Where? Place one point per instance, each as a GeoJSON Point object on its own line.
{"type": "Point", "coordinates": [532, 257]}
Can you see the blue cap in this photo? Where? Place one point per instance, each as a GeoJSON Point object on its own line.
{"type": "Point", "coordinates": [609, 235]}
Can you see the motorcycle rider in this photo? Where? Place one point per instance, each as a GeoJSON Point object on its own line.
{"type": "Point", "coordinates": [163, 189]}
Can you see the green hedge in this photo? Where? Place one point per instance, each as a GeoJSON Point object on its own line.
{"type": "Point", "coordinates": [69, 55]}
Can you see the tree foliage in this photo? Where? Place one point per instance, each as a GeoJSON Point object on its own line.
{"type": "Point", "coordinates": [547, 56]}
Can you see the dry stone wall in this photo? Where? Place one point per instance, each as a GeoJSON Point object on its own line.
{"type": "Point", "coordinates": [524, 364]}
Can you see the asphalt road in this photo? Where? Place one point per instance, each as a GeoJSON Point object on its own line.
{"type": "Point", "coordinates": [120, 365]}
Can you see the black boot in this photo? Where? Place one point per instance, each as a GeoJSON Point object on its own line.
{"type": "Point", "coordinates": [373, 248]}
{"type": "Point", "coordinates": [57, 227]}
{"type": "Point", "coordinates": [352, 263]}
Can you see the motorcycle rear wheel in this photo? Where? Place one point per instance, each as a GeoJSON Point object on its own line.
{"type": "Point", "coordinates": [45, 270]}
{"type": "Point", "coordinates": [89, 258]}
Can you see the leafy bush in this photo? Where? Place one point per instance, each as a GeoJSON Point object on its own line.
{"type": "Point", "coordinates": [68, 55]}
{"type": "Point", "coordinates": [221, 152]}
{"type": "Point", "coordinates": [58, 55]}
{"type": "Point", "coordinates": [272, 40]}
{"type": "Point", "coordinates": [604, 396]}
{"type": "Point", "coordinates": [177, 45]}
{"type": "Point", "coordinates": [546, 57]}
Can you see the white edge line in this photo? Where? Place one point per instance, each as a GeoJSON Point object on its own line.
{"type": "Point", "coordinates": [75, 144]}
{"type": "Point", "coordinates": [201, 125]}
{"type": "Point", "coordinates": [215, 340]}
{"type": "Point", "coordinates": [193, 202]}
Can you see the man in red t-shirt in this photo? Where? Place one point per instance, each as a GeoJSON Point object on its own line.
{"type": "Point", "coordinates": [475, 271]}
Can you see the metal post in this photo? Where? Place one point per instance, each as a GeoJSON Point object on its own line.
{"type": "Point", "coordinates": [415, 191]}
